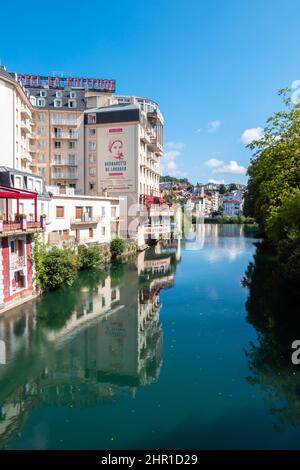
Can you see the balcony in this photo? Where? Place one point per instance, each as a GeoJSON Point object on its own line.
{"type": "Point", "coordinates": [13, 227]}
{"type": "Point", "coordinates": [64, 162]}
{"type": "Point", "coordinates": [65, 135]}
{"type": "Point", "coordinates": [65, 175]}
{"type": "Point", "coordinates": [63, 122]}
{"type": "Point", "coordinates": [26, 126]}
{"type": "Point", "coordinates": [25, 112]}
{"type": "Point", "coordinates": [85, 220]}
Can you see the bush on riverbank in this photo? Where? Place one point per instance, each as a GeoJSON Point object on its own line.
{"type": "Point", "coordinates": [89, 257]}
{"type": "Point", "coordinates": [117, 247]}
{"type": "Point", "coordinates": [55, 268]}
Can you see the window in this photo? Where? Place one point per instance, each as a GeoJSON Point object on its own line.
{"type": "Point", "coordinates": [72, 185]}
{"type": "Point", "coordinates": [38, 186]}
{"type": "Point", "coordinates": [30, 184]}
{"type": "Point", "coordinates": [59, 94]}
{"type": "Point", "coordinates": [57, 132]}
{"type": "Point", "coordinates": [71, 145]}
{"type": "Point", "coordinates": [102, 211]}
{"type": "Point", "coordinates": [72, 103]}
{"type": "Point", "coordinates": [43, 93]}
{"type": "Point", "coordinates": [41, 117]}
{"type": "Point", "coordinates": [92, 145]}
{"type": "Point", "coordinates": [56, 119]}
{"type": "Point", "coordinates": [57, 159]}
{"type": "Point", "coordinates": [103, 231]}
{"type": "Point", "coordinates": [41, 130]}
{"type": "Point", "coordinates": [57, 103]}
{"type": "Point", "coordinates": [71, 160]}
{"type": "Point", "coordinates": [91, 233]}
{"type": "Point", "coordinates": [92, 171]}
{"type": "Point", "coordinates": [41, 158]}
{"type": "Point", "coordinates": [92, 158]}
{"type": "Point", "coordinates": [33, 100]}
{"type": "Point", "coordinates": [91, 118]}
{"type": "Point", "coordinates": [92, 132]}
{"type": "Point", "coordinates": [41, 102]}
{"type": "Point", "coordinates": [59, 212]}
{"type": "Point", "coordinates": [57, 144]}
{"type": "Point", "coordinates": [92, 186]}
{"type": "Point", "coordinates": [18, 182]}
{"type": "Point", "coordinates": [113, 212]}
{"type": "Point", "coordinates": [72, 134]}
{"type": "Point", "coordinates": [71, 119]}
{"type": "Point", "coordinates": [73, 94]}
{"type": "Point", "coordinates": [42, 171]}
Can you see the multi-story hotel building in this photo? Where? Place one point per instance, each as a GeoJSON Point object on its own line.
{"type": "Point", "coordinates": [58, 132]}
{"type": "Point", "coordinates": [15, 123]}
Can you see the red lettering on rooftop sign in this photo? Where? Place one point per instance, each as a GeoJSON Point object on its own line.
{"type": "Point", "coordinates": [96, 84]}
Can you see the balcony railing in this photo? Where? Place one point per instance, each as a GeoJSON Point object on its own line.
{"type": "Point", "coordinates": [86, 220]}
{"type": "Point", "coordinates": [65, 135]}
{"type": "Point", "coordinates": [71, 176]}
{"type": "Point", "coordinates": [15, 226]}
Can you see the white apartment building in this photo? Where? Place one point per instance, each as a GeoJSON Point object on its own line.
{"type": "Point", "coordinates": [15, 124]}
{"type": "Point", "coordinates": [233, 203]}
{"type": "Point", "coordinates": [81, 219]}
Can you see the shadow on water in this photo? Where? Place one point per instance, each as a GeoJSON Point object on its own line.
{"type": "Point", "coordinates": [273, 309]}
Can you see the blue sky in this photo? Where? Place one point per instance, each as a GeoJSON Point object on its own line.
{"type": "Point", "coordinates": [213, 66]}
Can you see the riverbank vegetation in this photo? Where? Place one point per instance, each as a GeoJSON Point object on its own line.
{"type": "Point", "coordinates": [273, 192]}
{"type": "Point", "coordinates": [57, 267]}
{"type": "Point", "coordinates": [224, 219]}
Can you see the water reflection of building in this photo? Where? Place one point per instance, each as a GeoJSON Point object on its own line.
{"type": "Point", "coordinates": [110, 343]}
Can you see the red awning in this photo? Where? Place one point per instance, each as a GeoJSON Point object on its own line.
{"type": "Point", "coordinates": [12, 193]}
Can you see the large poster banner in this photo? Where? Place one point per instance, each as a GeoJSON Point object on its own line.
{"type": "Point", "coordinates": [117, 159]}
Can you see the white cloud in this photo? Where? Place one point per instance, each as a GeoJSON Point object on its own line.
{"type": "Point", "coordinates": [174, 145]}
{"type": "Point", "coordinates": [214, 163]}
{"type": "Point", "coordinates": [198, 130]}
{"type": "Point", "coordinates": [232, 168]}
{"type": "Point", "coordinates": [213, 126]}
{"type": "Point", "coordinates": [249, 135]}
{"type": "Point", "coordinates": [168, 163]}
{"type": "Point", "coordinates": [216, 181]}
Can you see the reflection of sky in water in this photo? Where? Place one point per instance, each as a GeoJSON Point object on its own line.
{"type": "Point", "coordinates": [218, 242]}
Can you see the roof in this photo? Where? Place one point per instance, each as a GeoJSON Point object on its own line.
{"type": "Point", "coordinates": [114, 113]}
{"type": "Point", "coordinates": [51, 96]}
{"type": "Point", "coordinates": [5, 74]}
{"type": "Point", "coordinates": [113, 107]}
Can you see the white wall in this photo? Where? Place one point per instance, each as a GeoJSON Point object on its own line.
{"type": "Point", "coordinates": [7, 124]}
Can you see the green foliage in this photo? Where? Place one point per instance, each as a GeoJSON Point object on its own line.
{"type": "Point", "coordinates": [89, 256]}
{"type": "Point", "coordinates": [117, 247]}
{"type": "Point", "coordinates": [224, 219]}
{"type": "Point", "coordinates": [55, 268]}
{"type": "Point", "coordinates": [273, 194]}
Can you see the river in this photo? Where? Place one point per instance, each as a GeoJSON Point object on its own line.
{"type": "Point", "coordinates": [167, 351]}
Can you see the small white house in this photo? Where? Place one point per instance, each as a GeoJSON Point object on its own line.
{"type": "Point", "coordinates": [82, 219]}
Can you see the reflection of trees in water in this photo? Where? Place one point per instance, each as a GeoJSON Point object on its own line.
{"type": "Point", "coordinates": [273, 309]}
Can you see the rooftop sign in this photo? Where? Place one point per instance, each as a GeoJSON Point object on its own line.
{"type": "Point", "coordinates": [39, 81]}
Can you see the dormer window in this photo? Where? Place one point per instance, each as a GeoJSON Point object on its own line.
{"type": "Point", "coordinates": [72, 103]}
{"type": "Point", "coordinates": [59, 94]}
{"type": "Point", "coordinates": [33, 100]}
{"type": "Point", "coordinates": [91, 118]}
{"type": "Point", "coordinates": [73, 94]}
{"type": "Point", "coordinates": [41, 102]}
{"type": "Point", "coordinates": [43, 93]}
{"type": "Point", "coordinates": [57, 103]}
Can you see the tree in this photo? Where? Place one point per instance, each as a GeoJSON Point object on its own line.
{"type": "Point", "coordinates": [272, 195]}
